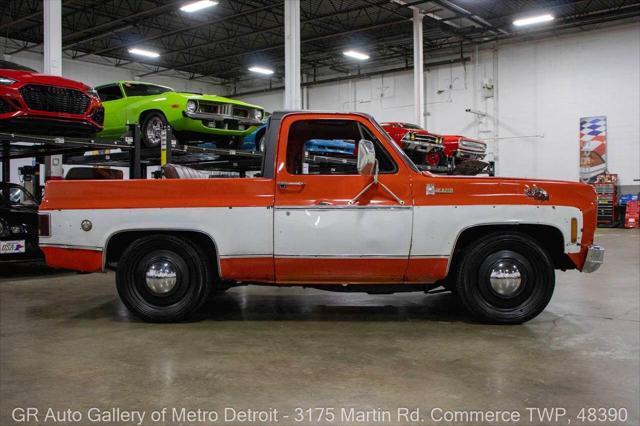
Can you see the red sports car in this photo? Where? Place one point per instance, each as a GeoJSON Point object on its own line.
{"type": "Point", "coordinates": [466, 154]}
{"type": "Point", "coordinates": [35, 103]}
{"type": "Point", "coordinates": [424, 148]}
{"type": "Point", "coordinates": [451, 154]}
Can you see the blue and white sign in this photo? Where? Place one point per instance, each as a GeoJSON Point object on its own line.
{"type": "Point", "coordinates": [10, 247]}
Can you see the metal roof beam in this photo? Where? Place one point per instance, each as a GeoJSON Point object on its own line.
{"type": "Point", "coordinates": [180, 30]}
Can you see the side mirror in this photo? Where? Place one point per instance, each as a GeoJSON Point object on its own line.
{"type": "Point", "coordinates": [367, 163]}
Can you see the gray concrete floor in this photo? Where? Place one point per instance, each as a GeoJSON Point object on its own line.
{"type": "Point", "coordinates": [67, 342]}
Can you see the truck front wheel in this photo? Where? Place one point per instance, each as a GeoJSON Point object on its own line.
{"type": "Point", "coordinates": [505, 278]}
{"type": "Point", "coordinates": [163, 278]}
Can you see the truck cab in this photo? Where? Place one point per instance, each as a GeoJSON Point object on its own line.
{"type": "Point", "coordinates": [365, 219]}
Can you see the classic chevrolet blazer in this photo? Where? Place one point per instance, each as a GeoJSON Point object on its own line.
{"type": "Point", "coordinates": [371, 223]}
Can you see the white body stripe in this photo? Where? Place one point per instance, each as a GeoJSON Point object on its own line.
{"type": "Point", "coordinates": [436, 228]}
{"type": "Point", "coordinates": [235, 231]}
{"type": "Point", "coordinates": [424, 231]}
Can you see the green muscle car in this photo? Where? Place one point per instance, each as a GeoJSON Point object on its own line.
{"type": "Point", "coordinates": [192, 116]}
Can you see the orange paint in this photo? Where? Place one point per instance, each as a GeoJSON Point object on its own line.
{"type": "Point", "coordinates": [426, 270]}
{"type": "Point", "coordinates": [74, 259]}
{"type": "Point", "coordinates": [158, 193]}
{"type": "Point", "coordinates": [255, 269]}
{"type": "Point", "coordinates": [339, 270]}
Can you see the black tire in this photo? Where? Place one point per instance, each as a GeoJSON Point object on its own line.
{"type": "Point", "coordinates": [151, 125]}
{"type": "Point", "coordinates": [505, 302]}
{"type": "Point", "coordinates": [193, 278]}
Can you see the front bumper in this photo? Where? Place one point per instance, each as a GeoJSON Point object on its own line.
{"type": "Point", "coordinates": [594, 259]}
{"type": "Point", "coordinates": [205, 116]}
{"type": "Point", "coordinates": [468, 154]}
{"type": "Point", "coordinates": [420, 146]}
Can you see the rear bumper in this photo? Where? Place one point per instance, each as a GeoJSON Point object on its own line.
{"type": "Point", "coordinates": [594, 259]}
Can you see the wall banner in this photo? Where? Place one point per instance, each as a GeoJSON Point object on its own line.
{"type": "Point", "coordinates": [593, 148]}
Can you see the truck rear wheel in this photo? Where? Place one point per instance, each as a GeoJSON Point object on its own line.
{"type": "Point", "coordinates": [163, 278]}
{"type": "Point", "coordinates": [506, 278]}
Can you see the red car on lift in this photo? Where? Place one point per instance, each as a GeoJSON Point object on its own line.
{"type": "Point", "coordinates": [466, 155]}
{"type": "Point", "coordinates": [36, 103]}
{"type": "Point", "coordinates": [451, 154]}
{"type": "Point", "coordinates": [424, 148]}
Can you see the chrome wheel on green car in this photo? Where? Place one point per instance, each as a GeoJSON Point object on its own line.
{"type": "Point", "coordinates": [152, 127]}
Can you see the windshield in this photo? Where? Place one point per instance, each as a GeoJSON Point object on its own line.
{"type": "Point", "coordinates": [397, 149]}
{"type": "Point", "coordinates": [6, 65]}
{"type": "Point", "coordinates": [20, 196]}
{"type": "Point", "coordinates": [143, 89]}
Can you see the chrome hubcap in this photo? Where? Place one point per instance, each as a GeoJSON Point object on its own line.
{"type": "Point", "coordinates": [154, 128]}
{"type": "Point", "coordinates": [161, 277]}
{"type": "Point", "coordinates": [505, 278]}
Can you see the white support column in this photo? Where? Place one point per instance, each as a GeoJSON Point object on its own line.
{"type": "Point", "coordinates": [53, 65]}
{"type": "Point", "coordinates": [52, 37]}
{"type": "Point", "coordinates": [292, 92]}
{"type": "Point", "coordinates": [418, 68]}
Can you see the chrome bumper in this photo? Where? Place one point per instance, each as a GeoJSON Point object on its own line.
{"type": "Point", "coordinates": [221, 117]}
{"type": "Point", "coordinates": [595, 259]}
{"type": "Point", "coordinates": [466, 153]}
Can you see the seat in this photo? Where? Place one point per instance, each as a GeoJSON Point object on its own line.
{"type": "Point", "coordinates": [176, 171]}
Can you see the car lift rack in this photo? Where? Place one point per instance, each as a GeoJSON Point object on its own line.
{"type": "Point", "coordinates": [125, 152]}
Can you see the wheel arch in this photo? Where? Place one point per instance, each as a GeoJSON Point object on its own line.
{"type": "Point", "coordinates": [118, 241]}
{"type": "Point", "coordinates": [144, 113]}
{"type": "Point", "coordinates": [549, 237]}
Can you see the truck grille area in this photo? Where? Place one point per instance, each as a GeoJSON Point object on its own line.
{"type": "Point", "coordinates": [54, 99]}
{"type": "Point", "coordinates": [224, 109]}
{"type": "Point", "coordinates": [473, 146]}
{"type": "Point", "coordinates": [417, 137]}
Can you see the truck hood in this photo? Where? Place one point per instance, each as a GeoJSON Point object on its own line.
{"type": "Point", "coordinates": [485, 190]}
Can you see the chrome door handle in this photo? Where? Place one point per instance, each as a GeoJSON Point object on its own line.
{"type": "Point", "coordinates": [283, 185]}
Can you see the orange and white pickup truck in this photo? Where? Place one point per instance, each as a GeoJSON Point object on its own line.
{"type": "Point", "coordinates": [370, 221]}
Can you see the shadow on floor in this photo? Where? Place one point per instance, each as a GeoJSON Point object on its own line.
{"type": "Point", "coordinates": [320, 306]}
{"type": "Point", "coordinates": [19, 271]}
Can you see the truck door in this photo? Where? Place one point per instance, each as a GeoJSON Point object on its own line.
{"type": "Point", "coordinates": [319, 236]}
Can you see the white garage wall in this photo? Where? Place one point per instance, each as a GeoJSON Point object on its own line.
{"type": "Point", "coordinates": [543, 88]}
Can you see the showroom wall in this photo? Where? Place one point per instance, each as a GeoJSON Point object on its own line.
{"type": "Point", "coordinates": [541, 89]}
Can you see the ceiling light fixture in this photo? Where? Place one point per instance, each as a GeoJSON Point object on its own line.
{"type": "Point", "coordinates": [261, 70]}
{"type": "Point", "coordinates": [142, 52]}
{"type": "Point", "coordinates": [356, 55]}
{"type": "Point", "coordinates": [198, 5]}
{"type": "Point", "coordinates": [533, 20]}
